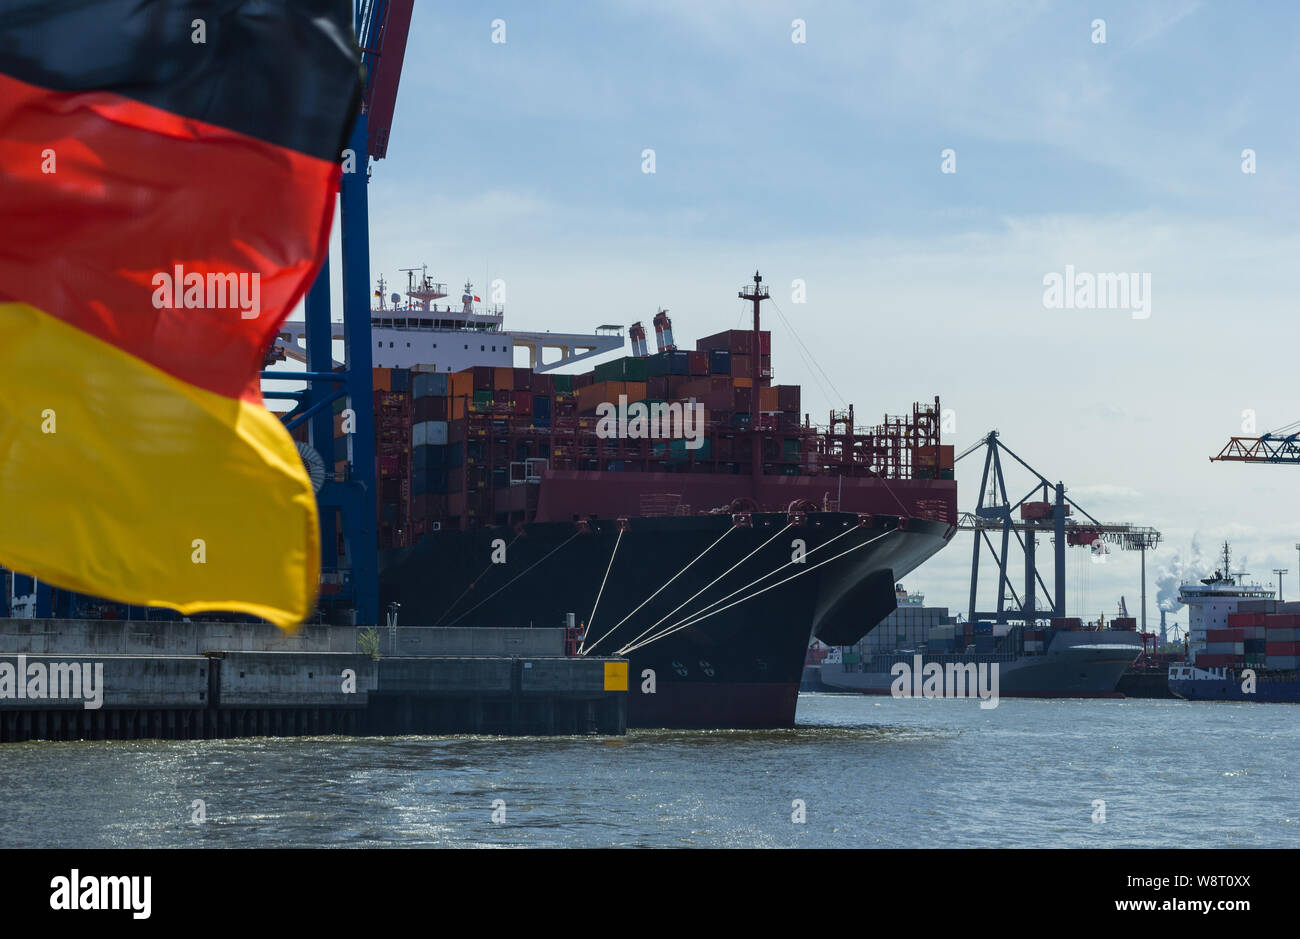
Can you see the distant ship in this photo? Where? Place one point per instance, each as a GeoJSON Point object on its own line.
{"type": "Point", "coordinates": [1066, 660]}
{"type": "Point", "coordinates": [1242, 643]}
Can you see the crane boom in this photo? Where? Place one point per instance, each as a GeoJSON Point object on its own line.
{"type": "Point", "coordinates": [1280, 446]}
{"type": "Point", "coordinates": [382, 28]}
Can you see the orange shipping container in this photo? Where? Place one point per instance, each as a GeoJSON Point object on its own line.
{"type": "Point", "coordinates": [767, 399]}
{"type": "Point", "coordinates": [503, 379]}
{"type": "Point", "coordinates": [742, 383]}
{"type": "Point", "coordinates": [602, 391]}
{"type": "Point", "coordinates": [461, 384]}
{"type": "Point", "coordinates": [382, 379]}
{"type": "Point", "coordinates": [635, 391]}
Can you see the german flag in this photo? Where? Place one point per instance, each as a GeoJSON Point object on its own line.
{"type": "Point", "coordinates": [168, 171]}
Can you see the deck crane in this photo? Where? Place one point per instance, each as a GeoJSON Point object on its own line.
{"type": "Point", "coordinates": [381, 28]}
{"type": "Point", "coordinates": [1277, 446]}
{"type": "Point", "coordinates": [1044, 508]}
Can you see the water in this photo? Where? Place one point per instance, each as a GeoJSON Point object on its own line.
{"type": "Point", "coordinates": [872, 772]}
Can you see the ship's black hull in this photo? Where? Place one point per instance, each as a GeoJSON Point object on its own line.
{"type": "Point", "coordinates": [740, 667]}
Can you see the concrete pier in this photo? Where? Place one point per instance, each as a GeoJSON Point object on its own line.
{"type": "Point", "coordinates": [117, 680]}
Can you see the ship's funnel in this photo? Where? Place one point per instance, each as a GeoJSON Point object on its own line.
{"type": "Point", "coordinates": [637, 334]}
{"type": "Point", "coordinates": [664, 332]}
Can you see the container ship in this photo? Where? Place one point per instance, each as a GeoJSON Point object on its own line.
{"type": "Point", "coordinates": [675, 507]}
{"type": "Point", "coordinates": [1066, 660]}
{"type": "Point", "coordinates": [1242, 643]}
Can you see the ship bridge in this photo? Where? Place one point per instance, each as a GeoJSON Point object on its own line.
{"type": "Point", "coordinates": [453, 341]}
{"type": "Point", "coordinates": [572, 347]}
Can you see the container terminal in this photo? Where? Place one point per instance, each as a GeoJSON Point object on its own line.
{"type": "Point", "coordinates": [456, 489]}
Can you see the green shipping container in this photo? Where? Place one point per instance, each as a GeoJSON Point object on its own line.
{"type": "Point", "coordinates": [562, 382]}
{"type": "Point", "coordinates": [629, 368]}
{"type": "Point", "coordinates": [483, 397]}
{"type": "Point", "coordinates": [679, 451]}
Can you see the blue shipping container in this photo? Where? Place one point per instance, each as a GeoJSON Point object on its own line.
{"type": "Point", "coordinates": [428, 457]}
{"type": "Point", "coordinates": [429, 384]}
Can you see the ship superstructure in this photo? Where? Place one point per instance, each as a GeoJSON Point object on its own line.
{"type": "Point", "coordinates": [1211, 600]}
{"type": "Point", "coordinates": [418, 331]}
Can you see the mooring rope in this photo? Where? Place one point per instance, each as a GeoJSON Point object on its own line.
{"type": "Point", "coordinates": [847, 531]}
{"type": "Point", "coordinates": [591, 620]}
{"type": "Point", "coordinates": [513, 579]}
{"type": "Point", "coordinates": [665, 584]}
{"type": "Point", "coordinates": [704, 588]}
{"type": "Point", "coordinates": [447, 612]}
{"type": "Point", "coordinates": [626, 650]}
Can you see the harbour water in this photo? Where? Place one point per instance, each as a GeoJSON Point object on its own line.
{"type": "Point", "coordinates": [869, 771]}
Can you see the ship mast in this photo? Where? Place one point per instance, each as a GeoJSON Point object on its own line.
{"type": "Point", "coordinates": [756, 295]}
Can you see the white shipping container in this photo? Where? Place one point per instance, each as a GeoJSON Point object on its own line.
{"type": "Point", "coordinates": [432, 433]}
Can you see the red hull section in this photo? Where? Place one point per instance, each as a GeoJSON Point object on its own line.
{"type": "Point", "coordinates": [716, 705]}
{"type": "Point", "coordinates": [610, 495]}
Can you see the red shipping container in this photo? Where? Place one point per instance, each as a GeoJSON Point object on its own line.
{"type": "Point", "coordinates": [740, 365]}
{"type": "Point", "coordinates": [430, 408]}
{"type": "Point", "coordinates": [1282, 648]}
{"type": "Point", "coordinates": [523, 379]}
{"type": "Point", "coordinates": [483, 375]}
{"type": "Point", "coordinates": [697, 363]}
{"type": "Point", "coordinates": [1227, 635]}
{"type": "Point", "coordinates": [1204, 660]}
{"type": "Point", "coordinates": [543, 384]}
{"type": "Point", "coordinates": [1245, 619]}
{"type": "Point", "coordinates": [787, 397]}
{"type": "Point", "coordinates": [524, 403]}
{"type": "Point", "coordinates": [1281, 620]}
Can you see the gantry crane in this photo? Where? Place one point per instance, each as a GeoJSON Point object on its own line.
{"type": "Point", "coordinates": [1045, 508]}
{"type": "Point", "coordinates": [382, 27]}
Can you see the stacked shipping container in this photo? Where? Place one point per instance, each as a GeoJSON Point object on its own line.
{"type": "Point", "coordinates": [1253, 639]}
{"type": "Point", "coordinates": [459, 448]}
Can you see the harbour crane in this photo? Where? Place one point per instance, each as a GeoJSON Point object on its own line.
{"type": "Point", "coordinates": [348, 506]}
{"type": "Point", "coordinates": [1044, 508]}
{"type": "Point", "coordinates": [1277, 446]}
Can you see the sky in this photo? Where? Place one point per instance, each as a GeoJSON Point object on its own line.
{"type": "Point", "coordinates": [823, 161]}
